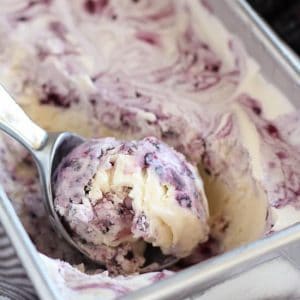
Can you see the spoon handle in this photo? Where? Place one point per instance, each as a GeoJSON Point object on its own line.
{"type": "Point", "coordinates": [18, 125]}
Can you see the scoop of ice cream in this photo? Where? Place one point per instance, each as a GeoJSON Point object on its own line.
{"type": "Point", "coordinates": [120, 197]}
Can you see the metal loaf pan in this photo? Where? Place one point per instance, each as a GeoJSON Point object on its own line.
{"type": "Point", "coordinates": [280, 66]}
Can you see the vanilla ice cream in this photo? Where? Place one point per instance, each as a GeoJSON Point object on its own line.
{"type": "Point", "coordinates": [119, 196]}
{"type": "Point", "coordinates": [130, 70]}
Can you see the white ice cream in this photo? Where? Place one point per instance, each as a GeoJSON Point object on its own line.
{"type": "Point", "coordinates": [167, 69]}
{"type": "Point", "coordinates": [120, 197]}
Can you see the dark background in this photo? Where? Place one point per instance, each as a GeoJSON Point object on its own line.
{"type": "Point", "coordinates": [284, 18]}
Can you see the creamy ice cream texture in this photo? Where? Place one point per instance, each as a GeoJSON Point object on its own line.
{"type": "Point", "coordinates": [132, 69]}
{"type": "Point", "coordinates": [117, 196]}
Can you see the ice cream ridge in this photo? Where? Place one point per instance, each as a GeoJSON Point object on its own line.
{"type": "Point", "coordinates": [119, 198]}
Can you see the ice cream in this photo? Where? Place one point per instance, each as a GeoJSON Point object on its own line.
{"type": "Point", "coordinates": [119, 197]}
{"type": "Point", "coordinates": [132, 69]}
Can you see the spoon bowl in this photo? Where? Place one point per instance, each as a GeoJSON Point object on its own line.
{"type": "Point", "coordinates": [48, 150]}
{"type": "Point", "coordinates": [47, 159]}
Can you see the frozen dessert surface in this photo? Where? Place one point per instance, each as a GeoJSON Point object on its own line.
{"type": "Point", "coordinates": [74, 284]}
{"type": "Point", "coordinates": [120, 197]}
{"type": "Point", "coordinates": [167, 69]}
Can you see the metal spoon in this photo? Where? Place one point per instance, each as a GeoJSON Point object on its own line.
{"type": "Point", "coordinates": [48, 149]}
